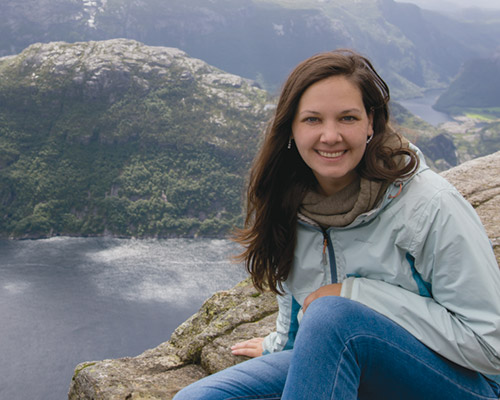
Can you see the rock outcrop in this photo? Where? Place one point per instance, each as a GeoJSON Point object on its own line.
{"type": "Point", "coordinates": [479, 182]}
{"type": "Point", "coordinates": [200, 346]}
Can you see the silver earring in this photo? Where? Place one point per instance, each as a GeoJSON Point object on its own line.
{"type": "Point", "coordinates": [369, 139]}
{"type": "Point", "coordinates": [289, 144]}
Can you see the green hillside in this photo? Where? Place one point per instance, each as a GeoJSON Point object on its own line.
{"type": "Point", "coordinates": [121, 138]}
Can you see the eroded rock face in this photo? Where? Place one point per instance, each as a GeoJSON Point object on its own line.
{"type": "Point", "coordinates": [479, 182]}
{"type": "Point", "coordinates": [200, 346]}
{"type": "Point", "coordinates": [107, 68]}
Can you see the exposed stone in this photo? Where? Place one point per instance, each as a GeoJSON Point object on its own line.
{"type": "Point", "coordinates": [216, 355]}
{"type": "Point", "coordinates": [200, 346]}
{"type": "Point", "coordinates": [220, 315]}
{"type": "Point", "coordinates": [479, 182]}
{"type": "Point", "coordinates": [111, 66]}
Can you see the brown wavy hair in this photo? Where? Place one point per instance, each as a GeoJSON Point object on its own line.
{"type": "Point", "coordinates": [279, 178]}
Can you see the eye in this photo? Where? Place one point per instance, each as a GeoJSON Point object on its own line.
{"type": "Point", "coordinates": [311, 120]}
{"type": "Point", "coordinates": [349, 118]}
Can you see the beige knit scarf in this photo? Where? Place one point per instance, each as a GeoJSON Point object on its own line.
{"type": "Point", "coordinates": [342, 208]}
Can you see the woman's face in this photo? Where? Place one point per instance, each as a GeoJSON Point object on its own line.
{"type": "Point", "coordinates": [330, 129]}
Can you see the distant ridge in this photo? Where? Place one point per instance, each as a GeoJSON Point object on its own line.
{"type": "Point", "coordinates": [477, 86]}
{"type": "Point", "coordinates": [414, 49]}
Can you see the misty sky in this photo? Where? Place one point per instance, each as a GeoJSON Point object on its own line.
{"type": "Point", "coordinates": [456, 3]}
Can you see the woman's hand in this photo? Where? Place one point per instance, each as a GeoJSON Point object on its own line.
{"type": "Point", "coordinates": [327, 290]}
{"type": "Point", "coordinates": [249, 348]}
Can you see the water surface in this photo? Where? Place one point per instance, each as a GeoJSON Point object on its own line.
{"type": "Point", "coordinates": [68, 300]}
{"type": "Point", "coordinates": [422, 107]}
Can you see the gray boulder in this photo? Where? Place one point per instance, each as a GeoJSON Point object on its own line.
{"type": "Point", "coordinates": [479, 182]}
{"type": "Point", "coordinates": [200, 346]}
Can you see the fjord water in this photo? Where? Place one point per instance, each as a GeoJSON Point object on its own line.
{"type": "Point", "coordinates": [422, 107]}
{"type": "Point", "coordinates": [68, 300]}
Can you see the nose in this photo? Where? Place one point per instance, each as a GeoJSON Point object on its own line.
{"type": "Point", "coordinates": [331, 133]}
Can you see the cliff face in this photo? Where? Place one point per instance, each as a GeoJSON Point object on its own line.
{"type": "Point", "coordinates": [200, 346]}
{"type": "Point", "coordinates": [479, 182]}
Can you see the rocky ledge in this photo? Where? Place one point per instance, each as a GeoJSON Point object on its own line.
{"type": "Point", "coordinates": [200, 346]}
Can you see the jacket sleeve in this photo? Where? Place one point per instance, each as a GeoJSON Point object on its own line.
{"type": "Point", "coordinates": [461, 318]}
{"type": "Point", "coordinates": [286, 325]}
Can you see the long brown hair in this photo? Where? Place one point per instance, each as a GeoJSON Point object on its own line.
{"type": "Point", "coordinates": [279, 178]}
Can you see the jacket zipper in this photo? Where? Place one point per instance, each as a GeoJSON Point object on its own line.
{"type": "Point", "coordinates": [327, 245]}
{"type": "Point", "coordinates": [328, 251]}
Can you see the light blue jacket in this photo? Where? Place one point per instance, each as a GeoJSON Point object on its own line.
{"type": "Point", "coordinates": [422, 258]}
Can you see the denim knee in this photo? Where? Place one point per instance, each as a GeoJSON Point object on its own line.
{"type": "Point", "coordinates": [197, 391]}
{"type": "Point", "coordinates": [328, 314]}
{"type": "Point", "coordinates": [328, 305]}
{"type": "Point", "coordinates": [184, 394]}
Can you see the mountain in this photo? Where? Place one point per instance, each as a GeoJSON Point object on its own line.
{"type": "Point", "coordinates": [116, 137]}
{"type": "Point", "coordinates": [474, 98]}
{"type": "Point", "coordinates": [477, 86]}
{"type": "Point", "coordinates": [456, 5]}
{"type": "Point", "coordinates": [414, 49]}
{"type": "Point", "coordinates": [122, 138]}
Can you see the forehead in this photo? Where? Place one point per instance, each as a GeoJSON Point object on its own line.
{"type": "Point", "coordinates": [335, 90]}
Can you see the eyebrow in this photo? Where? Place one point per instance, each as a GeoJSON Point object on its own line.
{"type": "Point", "coordinates": [352, 110]}
{"type": "Point", "coordinates": [348, 111]}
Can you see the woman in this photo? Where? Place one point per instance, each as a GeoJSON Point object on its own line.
{"type": "Point", "coordinates": [387, 284]}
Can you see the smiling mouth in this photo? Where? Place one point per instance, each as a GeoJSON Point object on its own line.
{"type": "Point", "coordinates": [331, 155]}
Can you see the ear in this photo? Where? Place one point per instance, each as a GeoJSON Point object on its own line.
{"type": "Point", "coordinates": [370, 122]}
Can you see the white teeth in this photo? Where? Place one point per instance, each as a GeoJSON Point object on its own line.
{"type": "Point", "coordinates": [330, 155]}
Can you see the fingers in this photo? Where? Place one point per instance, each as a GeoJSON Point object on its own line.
{"type": "Point", "coordinates": [333, 289]}
{"type": "Point", "coordinates": [248, 343]}
{"type": "Point", "coordinates": [249, 348]}
{"type": "Point", "coordinates": [309, 299]}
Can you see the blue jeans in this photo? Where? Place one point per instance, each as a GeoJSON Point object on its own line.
{"type": "Point", "coordinates": [344, 350]}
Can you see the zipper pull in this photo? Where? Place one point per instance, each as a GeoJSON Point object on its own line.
{"type": "Point", "coordinates": [325, 245]}
{"type": "Point", "coordinates": [399, 191]}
